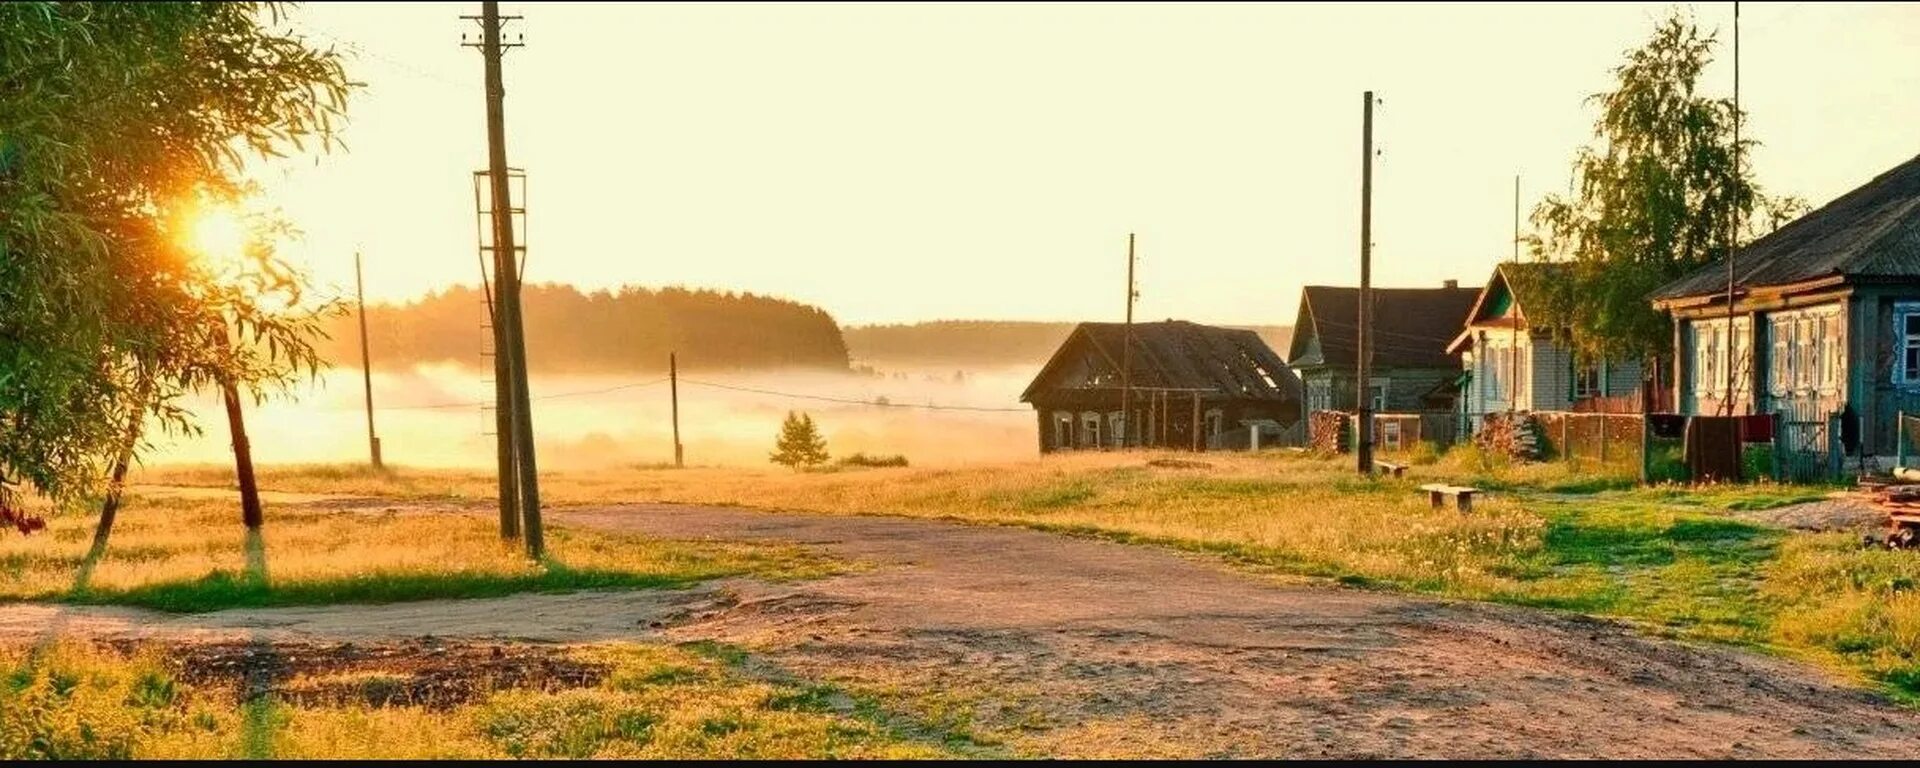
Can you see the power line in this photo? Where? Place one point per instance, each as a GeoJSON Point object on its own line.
{"type": "Point", "coordinates": [556, 396]}
{"type": "Point", "coordinates": [363, 52]}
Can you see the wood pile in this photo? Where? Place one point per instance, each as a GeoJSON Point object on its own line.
{"type": "Point", "coordinates": [1512, 434]}
{"type": "Point", "coordinates": [1901, 501]}
{"type": "Point", "coordinates": [1329, 431]}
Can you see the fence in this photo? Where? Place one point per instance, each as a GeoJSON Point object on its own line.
{"type": "Point", "coordinates": [1606, 438]}
{"type": "Point", "coordinates": [1332, 431]}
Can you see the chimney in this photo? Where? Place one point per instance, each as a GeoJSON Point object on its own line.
{"type": "Point", "coordinates": [1450, 284]}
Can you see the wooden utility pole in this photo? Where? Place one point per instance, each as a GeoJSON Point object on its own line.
{"type": "Point", "coordinates": [673, 386]}
{"type": "Point", "coordinates": [1516, 218]}
{"type": "Point", "coordinates": [1363, 431]}
{"type": "Point", "coordinates": [507, 288]}
{"type": "Point", "coordinates": [366, 359]}
{"type": "Point", "coordinates": [1196, 422]}
{"type": "Point", "coordinates": [1733, 211]}
{"type": "Point", "coordinates": [1126, 355]}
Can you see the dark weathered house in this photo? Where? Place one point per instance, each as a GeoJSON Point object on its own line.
{"type": "Point", "coordinates": [1516, 365]}
{"type": "Point", "coordinates": [1191, 386]}
{"type": "Point", "coordinates": [1825, 315]}
{"type": "Point", "coordinates": [1412, 370]}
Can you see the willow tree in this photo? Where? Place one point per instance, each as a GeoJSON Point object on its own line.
{"type": "Point", "coordinates": [120, 124]}
{"type": "Point", "coordinates": [1656, 195]}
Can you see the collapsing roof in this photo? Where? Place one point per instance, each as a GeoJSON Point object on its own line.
{"type": "Point", "coordinates": [1871, 234]}
{"type": "Point", "coordinates": [1174, 354]}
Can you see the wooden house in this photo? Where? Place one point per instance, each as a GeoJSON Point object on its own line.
{"type": "Point", "coordinates": [1412, 369]}
{"type": "Point", "coordinates": [1192, 385]}
{"type": "Point", "coordinates": [1513, 365]}
{"type": "Point", "coordinates": [1825, 317]}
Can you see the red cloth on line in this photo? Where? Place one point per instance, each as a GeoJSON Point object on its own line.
{"type": "Point", "coordinates": [1757, 428]}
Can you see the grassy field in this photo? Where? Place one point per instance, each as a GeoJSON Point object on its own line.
{"type": "Point", "coordinates": [1678, 561]}
{"type": "Point", "coordinates": [182, 554]}
{"type": "Point", "coordinates": [642, 701]}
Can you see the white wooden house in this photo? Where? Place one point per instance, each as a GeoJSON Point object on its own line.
{"type": "Point", "coordinates": [1511, 364]}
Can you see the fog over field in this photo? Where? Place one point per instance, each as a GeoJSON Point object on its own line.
{"type": "Point", "coordinates": [430, 416]}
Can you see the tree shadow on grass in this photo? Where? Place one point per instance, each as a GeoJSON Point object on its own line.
{"type": "Point", "coordinates": [260, 712]}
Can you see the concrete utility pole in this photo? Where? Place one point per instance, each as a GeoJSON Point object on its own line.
{"type": "Point", "coordinates": [509, 335]}
{"type": "Point", "coordinates": [1363, 431]}
{"type": "Point", "coordinates": [673, 386]}
{"type": "Point", "coordinates": [366, 359]}
{"type": "Point", "coordinates": [1126, 354]}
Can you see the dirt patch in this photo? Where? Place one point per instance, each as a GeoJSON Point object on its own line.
{"type": "Point", "coordinates": [421, 672]}
{"type": "Point", "coordinates": [1178, 464]}
{"type": "Point", "coordinates": [1840, 513]}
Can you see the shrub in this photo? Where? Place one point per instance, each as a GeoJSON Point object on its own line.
{"type": "Point", "coordinates": [863, 460]}
{"type": "Point", "coordinates": [1424, 453]}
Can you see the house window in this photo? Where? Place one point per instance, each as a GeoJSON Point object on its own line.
{"type": "Point", "coordinates": [1090, 430]}
{"type": "Point", "coordinates": [1706, 349]}
{"type": "Point", "coordinates": [1116, 427]}
{"type": "Point", "coordinates": [1390, 434]}
{"type": "Point", "coordinates": [1907, 330]}
{"type": "Point", "coordinates": [1215, 422]}
{"type": "Point", "coordinates": [1062, 429]}
{"type": "Point", "coordinates": [1377, 399]}
{"type": "Point", "coordinates": [1586, 379]}
{"type": "Point", "coordinates": [1319, 395]}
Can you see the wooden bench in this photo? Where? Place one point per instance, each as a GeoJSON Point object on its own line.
{"type": "Point", "coordinates": [1462, 496]}
{"type": "Point", "coordinates": [1390, 468]}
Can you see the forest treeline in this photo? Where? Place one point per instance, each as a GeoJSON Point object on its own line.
{"type": "Point", "coordinates": [625, 329]}
{"type": "Point", "coordinates": [982, 342]}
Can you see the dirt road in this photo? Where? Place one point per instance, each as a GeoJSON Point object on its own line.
{"type": "Point", "coordinates": [1076, 647]}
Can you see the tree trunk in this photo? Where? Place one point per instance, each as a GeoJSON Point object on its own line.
{"type": "Point", "coordinates": [110, 508]}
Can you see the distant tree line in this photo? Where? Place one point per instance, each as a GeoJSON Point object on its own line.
{"type": "Point", "coordinates": [983, 342]}
{"type": "Point", "coordinates": [627, 329]}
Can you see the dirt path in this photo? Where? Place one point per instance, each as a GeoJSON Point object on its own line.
{"type": "Point", "coordinates": [1078, 647]}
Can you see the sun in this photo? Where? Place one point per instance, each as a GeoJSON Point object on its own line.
{"type": "Point", "coordinates": [217, 234]}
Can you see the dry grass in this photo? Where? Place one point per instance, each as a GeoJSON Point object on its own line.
{"type": "Point", "coordinates": [193, 555]}
{"type": "Point", "coordinates": [659, 702]}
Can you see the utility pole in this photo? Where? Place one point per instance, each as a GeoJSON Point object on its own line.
{"type": "Point", "coordinates": [1516, 218]}
{"type": "Point", "coordinates": [366, 360]}
{"type": "Point", "coordinates": [510, 335]}
{"type": "Point", "coordinates": [673, 386]}
{"type": "Point", "coordinates": [1363, 431]}
{"type": "Point", "coordinates": [1513, 327]}
{"type": "Point", "coordinates": [1126, 354]}
{"type": "Point", "coordinates": [1733, 211]}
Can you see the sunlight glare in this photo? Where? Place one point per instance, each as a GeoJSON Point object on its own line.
{"type": "Point", "coordinates": [218, 235]}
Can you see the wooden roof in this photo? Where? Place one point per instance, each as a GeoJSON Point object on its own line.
{"type": "Point", "coordinates": [1514, 281]}
{"type": "Point", "coordinates": [1871, 234]}
{"type": "Point", "coordinates": [1412, 326]}
{"type": "Point", "coordinates": [1174, 354]}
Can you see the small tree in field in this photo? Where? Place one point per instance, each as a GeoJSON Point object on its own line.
{"type": "Point", "coordinates": [800, 444]}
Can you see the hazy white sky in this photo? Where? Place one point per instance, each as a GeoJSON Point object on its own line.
{"type": "Point", "coordinates": [914, 162]}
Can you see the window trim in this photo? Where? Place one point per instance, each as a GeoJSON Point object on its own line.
{"type": "Point", "coordinates": [1904, 343]}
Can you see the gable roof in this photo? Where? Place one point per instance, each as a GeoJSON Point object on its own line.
{"type": "Point", "coordinates": [1871, 233]}
{"type": "Point", "coordinates": [1183, 355]}
{"type": "Point", "coordinates": [1411, 325]}
{"type": "Point", "coordinates": [1518, 280]}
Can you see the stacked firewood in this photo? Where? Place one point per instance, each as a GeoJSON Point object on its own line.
{"type": "Point", "coordinates": [1900, 499]}
{"type": "Point", "coordinates": [1512, 434]}
{"type": "Point", "coordinates": [1329, 431]}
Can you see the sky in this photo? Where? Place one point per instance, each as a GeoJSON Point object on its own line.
{"type": "Point", "coordinates": [906, 162]}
